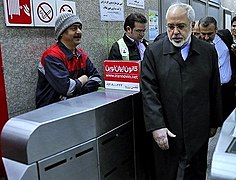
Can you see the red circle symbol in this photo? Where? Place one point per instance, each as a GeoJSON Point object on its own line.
{"type": "Point", "coordinates": [45, 12]}
{"type": "Point", "coordinates": [66, 8]}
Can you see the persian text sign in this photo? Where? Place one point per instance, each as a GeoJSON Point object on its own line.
{"type": "Point", "coordinates": [123, 75]}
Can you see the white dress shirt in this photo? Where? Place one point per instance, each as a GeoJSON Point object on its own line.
{"type": "Point", "coordinates": [223, 59]}
{"type": "Point", "coordinates": [141, 47]}
{"type": "Point", "coordinates": [185, 51]}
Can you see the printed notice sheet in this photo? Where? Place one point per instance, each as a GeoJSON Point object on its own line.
{"type": "Point", "coordinates": [112, 10]}
{"type": "Point", "coordinates": [136, 3]}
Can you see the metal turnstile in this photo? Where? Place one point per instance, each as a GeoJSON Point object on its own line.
{"type": "Point", "coordinates": [224, 157]}
{"type": "Point", "coordinates": [87, 137]}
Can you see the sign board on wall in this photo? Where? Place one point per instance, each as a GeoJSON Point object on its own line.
{"type": "Point", "coordinates": [112, 10]}
{"type": "Point", "coordinates": [122, 75]}
{"type": "Point", "coordinates": [44, 13]}
{"type": "Point", "coordinates": [153, 24]}
{"type": "Point", "coordinates": [136, 3]}
{"type": "Point", "coordinates": [18, 12]}
{"type": "Point", "coordinates": [66, 6]}
{"type": "Point", "coordinates": [36, 13]}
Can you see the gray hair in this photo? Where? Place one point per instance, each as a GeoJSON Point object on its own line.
{"type": "Point", "coordinates": [189, 10]}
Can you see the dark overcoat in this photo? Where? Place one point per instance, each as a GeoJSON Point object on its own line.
{"type": "Point", "coordinates": [183, 96]}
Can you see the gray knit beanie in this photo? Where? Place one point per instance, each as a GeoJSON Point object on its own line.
{"type": "Point", "coordinates": [63, 21]}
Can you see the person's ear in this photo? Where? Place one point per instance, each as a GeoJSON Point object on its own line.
{"type": "Point", "coordinates": [128, 29]}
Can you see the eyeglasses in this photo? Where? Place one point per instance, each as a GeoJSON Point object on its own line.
{"type": "Point", "coordinates": [180, 26]}
{"type": "Point", "coordinates": [140, 31]}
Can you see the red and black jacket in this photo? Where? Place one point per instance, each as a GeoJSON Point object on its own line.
{"type": "Point", "coordinates": [57, 68]}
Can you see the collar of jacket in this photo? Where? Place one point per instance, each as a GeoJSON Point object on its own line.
{"type": "Point", "coordinates": [169, 48]}
{"type": "Point", "coordinates": [226, 36]}
{"type": "Point", "coordinates": [69, 54]}
{"type": "Point", "coordinates": [130, 43]}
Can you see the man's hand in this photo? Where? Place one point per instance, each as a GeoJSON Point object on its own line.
{"type": "Point", "coordinates": [161, 137]}
{"type": "Point", "coordinates": [233, 48]}
{"type": "Point", "coordinates": [83, 79]}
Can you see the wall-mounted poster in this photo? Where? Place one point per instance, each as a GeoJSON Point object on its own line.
{"type": "Point", "coordinates": [18, 13]}
{"type": "Point", "coordinates": [112, 10]}
{"type": "Point", "coordinates": [153, 24]}
{"type": "Point", "coordinates": [136, 3]}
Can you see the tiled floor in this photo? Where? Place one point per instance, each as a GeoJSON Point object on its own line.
{"type": "Point", "coordinates": [211, 147]}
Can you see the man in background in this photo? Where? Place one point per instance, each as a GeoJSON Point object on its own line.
{"type": "Point", "coordinates": [196, 31]}
{"type": "Point", "coordinates": [132, 45]}
{"type": "Point", "coordinates": [222, 40]}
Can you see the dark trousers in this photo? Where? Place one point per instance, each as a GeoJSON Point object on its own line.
{"type": "Point", "coordinates": [195, 169]}
{"type": "Point", "coordinates": [171, 165]}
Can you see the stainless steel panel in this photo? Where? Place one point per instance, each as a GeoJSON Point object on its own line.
{"type": "Point", "coordinates": [61, 139]}
{"type": "Point", "coordinates": [49, 130]}
{"type": "Point", "coordinates": [114, 114]}
{"type": "Point", "coordinates": [224, 163]}
{"type": "Point", "coordinates": [79, 162]}
{"type": "Point", "coordinates": [29, 142]}
{"type": "Point", "coordinates": [116, 155]}
{"type": "Point", "coordinates": [19, 171]}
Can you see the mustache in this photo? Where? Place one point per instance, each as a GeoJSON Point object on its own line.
{"type": "Point", "coordinates": [78, 36]}
{"type": "Point", "coordinates": [177, 37]}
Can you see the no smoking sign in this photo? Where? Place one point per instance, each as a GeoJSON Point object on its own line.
{"type": "Point", "coordinates": [44, 13]}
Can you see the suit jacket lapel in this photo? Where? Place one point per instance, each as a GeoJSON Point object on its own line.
{"type": "Point", "coordinates": [174, 52]}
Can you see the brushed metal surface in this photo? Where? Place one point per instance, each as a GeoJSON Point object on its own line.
{"type": "Point", "coordinates": [46, 131]}
{"type": "Point", "coordinates": [79, 162]}
{"type": "Point", "coordinates": [223, 162]}
{"type": "Point", "coordinates": [20, 171]}
{"type": "Point", "coordinates": [80, 138]}
{"type": "Point", "coordinates": [116, 153]}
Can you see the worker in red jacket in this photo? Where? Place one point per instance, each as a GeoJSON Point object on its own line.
{"type": "Point", "coordinates": [64, 70]}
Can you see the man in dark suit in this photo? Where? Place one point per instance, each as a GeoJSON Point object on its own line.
{"type": "Point", "coordinates": [181, 97]}
{"type": "Point", "coordinates": [222, 40]}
